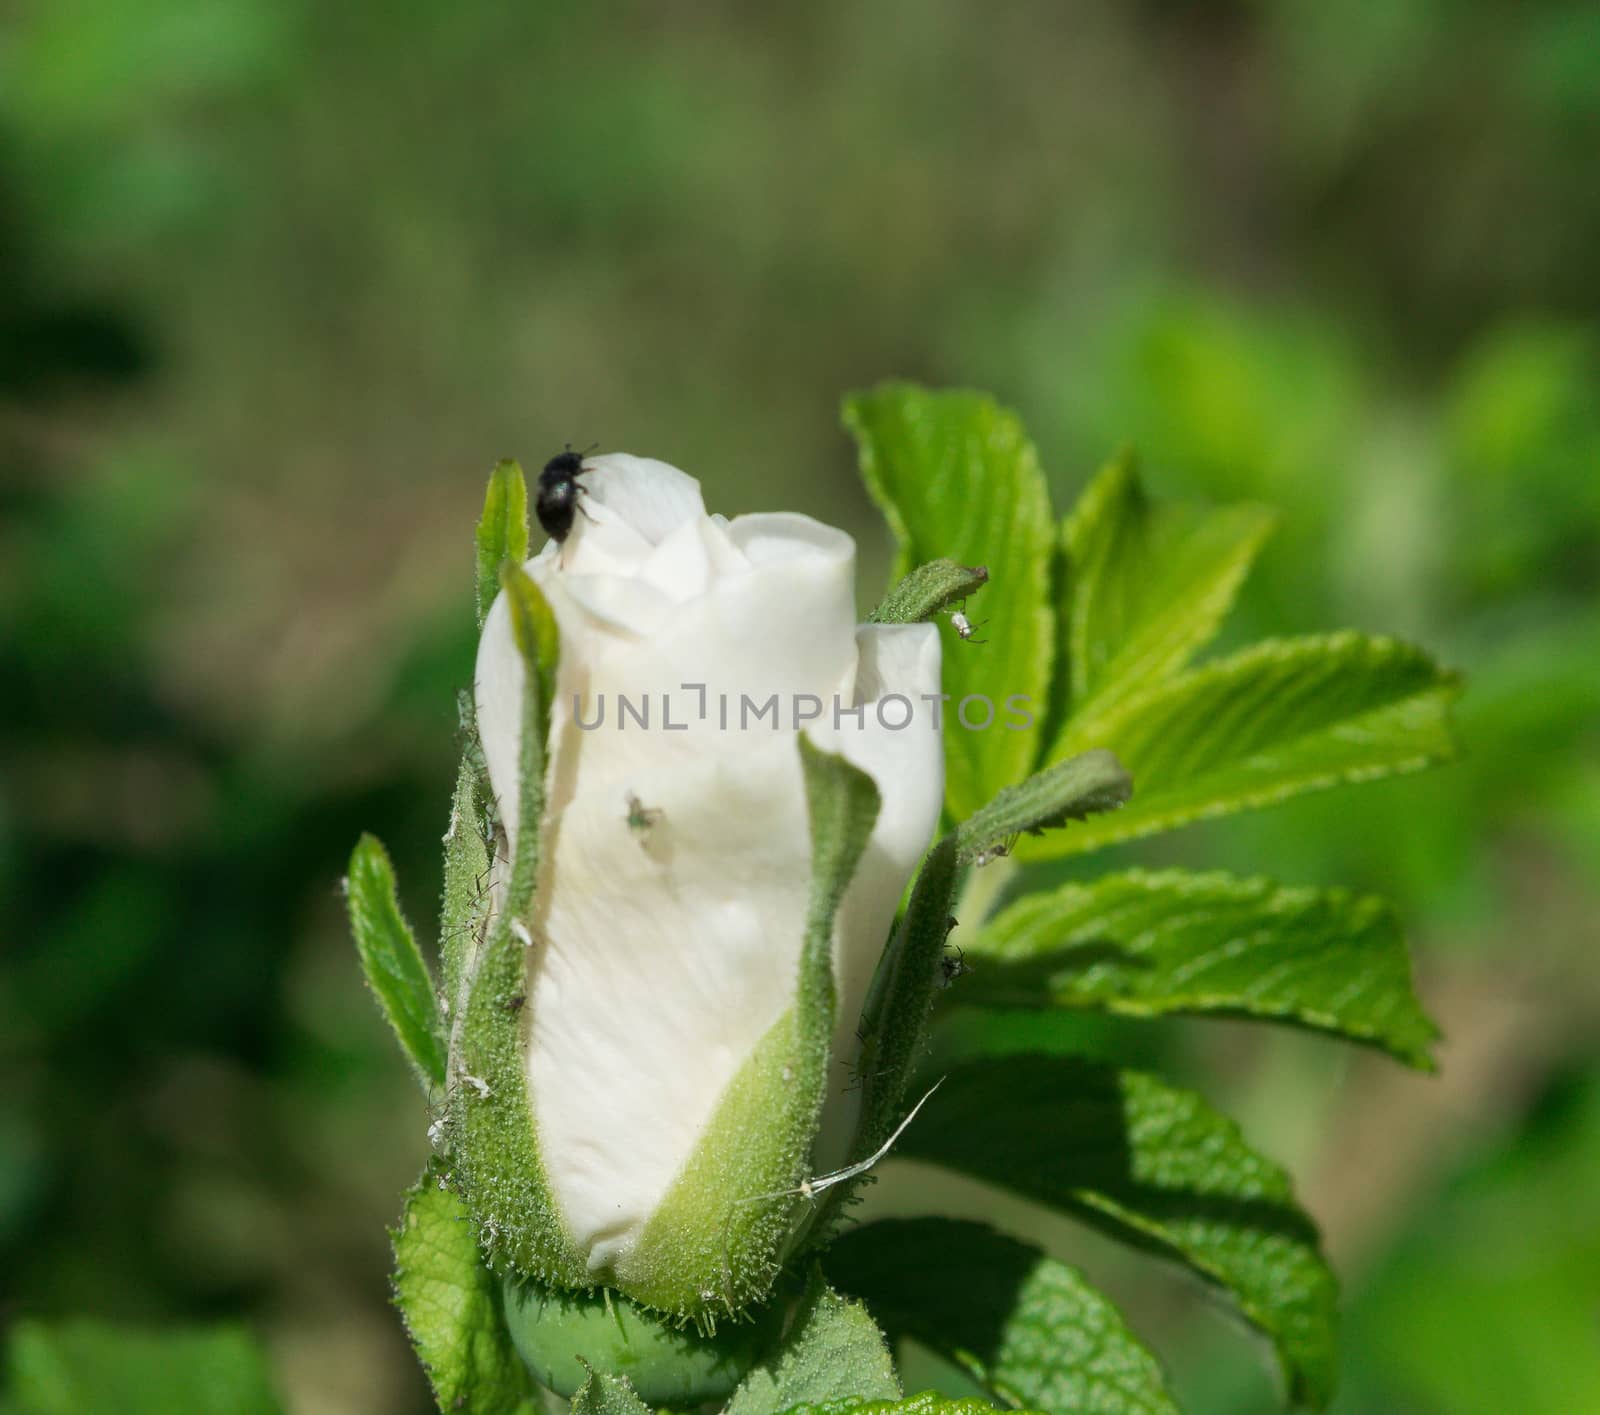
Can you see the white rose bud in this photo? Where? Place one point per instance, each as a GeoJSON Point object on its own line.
{"type": "Point", "coordinates": [665, 937]}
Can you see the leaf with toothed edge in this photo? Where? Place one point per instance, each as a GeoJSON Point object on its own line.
{"type": "Point", "coordinates": [607, 1395]}
{"type": "Point", "coordinates": [1157, 1167]}
{"type": "Point", "coordinates": [451, 1306]}
{"type": "Point", "coordinates": [833, 1351]}
{"type": "Point", "coordinates": [1147, 584]}
{"type": "Point", "coordinates": [956, 476]}
{"type": "Point", "coordinates": [701, 1253]}
{"type": "Point", "coordinates": [1144, 944]}
{"type": "Point", "coordinates": [1282, 718]}
{"type": "Point", "coordinates": [392, 962]}
{"type": "Point", "coordinates": [1029, 1329]}
{"type": "Point", "coordinates": [502, 535]}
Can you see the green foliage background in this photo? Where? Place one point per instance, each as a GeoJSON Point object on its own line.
{"type": "Point", "coordinates": [278, 281]}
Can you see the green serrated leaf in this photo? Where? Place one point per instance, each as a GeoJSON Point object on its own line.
{"type": "Point", "coordinates": [929, 1402]}
{"type": "Point", "coordinates": [1145, 944]}
{"type": "Point", "coordinates": [1147, 584]}
{"type": "Point", "coordinates": [502, 532]}
{"type": "Point", "coordinates": [393, 964]}
{"type": "Point", "coordinates": [833, 1351]}
{"type": "Point", "coordinates": [607, 1395]}
{"type": "Point", "coordinates": [1158, 1167]}
{"type": "Point", "coordinates": [1285, 717]}
{"type": "Point", "coordinates": [85, 1367]}
{"type": "Point", "coordinates": [957, 478]}
{"type": "Point", "coordinates": [696, 1251]}
{"type": "Point", "coordinates": [451, 1306]}
{"type": "Point", "coordinates": [1073, 790]}
{"type": "Point", "coordinates": [1030, 1330]}
{"type": "Point", "coordinates": [929, 590]}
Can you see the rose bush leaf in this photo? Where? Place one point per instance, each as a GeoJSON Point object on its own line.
{"type": "Point", "coordinates": [928, 591]}
{"type": "Point", "coordinates": [1284, 717]}
{"type": "Point", "coordinates": [502, 532]}
{"type": "Point", "coordinates": [451, 1305]}
{"type": "Point", "coordinates": [607, 1395]}
{"type": "Point", "coordinates": [1146, 584]}
{"type": "Point", "coordinates": [1156, 1166]}
{"type": "Point", "coordinates": [1073, 790]}
{"type": "Point", "coordinates": [392, 962]}
{"type": "Point", "coordinates": [80, 1367]}
{"type": "Point", "coordinates": [928, 1402]}
{"type": "Point", "coordinates": [957, 478]}
{"type": "Point", "coordinates": [1143, 944]}
{"type": "Point", "coordinates": [833, 1351]}
{"type": "Point", "coordinates": [1032, 1331]}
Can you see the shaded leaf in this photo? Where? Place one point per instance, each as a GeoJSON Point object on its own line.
{"type": "Point", "coordinates": [1146, 944]}
{"type": "Point", "coordinates": [1158, 1167]}
{"type": "Point", "coordinates": [1029, 1329]}
{"type": "Point", "coordinates": [957, 478]}
{"type": "Point", "coordinates": [451, 1305]}
{"type": "Point", "coordinates": [393, 964]}
{"type": "Point", "coordinates": [1288, 716]}
{"type": "Point", "coordinates": [833, 1351]}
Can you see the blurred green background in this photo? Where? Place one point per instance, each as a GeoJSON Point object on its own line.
{"type": "Point", "coordinates": [279, 280]}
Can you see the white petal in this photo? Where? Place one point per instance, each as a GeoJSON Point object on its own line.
{"type": "Point", "coordinates": [670, 954]}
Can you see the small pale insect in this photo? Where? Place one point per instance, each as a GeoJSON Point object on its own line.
{"type": "Point", "coordinates": [953, 968]}
{"type": "Point", "coordinates": [520, 932]}
{"type": "Point", "coordinates": [640, 816]}
{"type": "Point", "coordinates": [478, 1084]}
{"type": "Point", "coordinates": [998, 851]}
{"type": "Point", "coordinates": [966, 628]}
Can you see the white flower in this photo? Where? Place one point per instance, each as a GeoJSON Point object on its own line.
{"type": "Point", "coordinates": [666, 946]}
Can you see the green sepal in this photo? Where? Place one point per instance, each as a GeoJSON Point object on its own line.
{"type": "Point", "coordinates": [392, 962]}
{"type": "Point", "coordinates": [833, 1351]}
{"type": "Point", "coordinates": [1146, 944]}
{"type": "Point", "coordinates": [927, 591]}
{"type": "Point", "coordinates": [716, 1242]}
{"type": "Point", "coordinates": [489, 1126]}
{"type": "Point", "coordinates": [1156, 1166]}
{"type": "Point", "coordinates": [1073, 790]}
{"type": "Point", "coordinates": [502, 532]}
{"type": "Point", "coordinates": [451, 1305]}
{"type": "Point", "coordinates": [895, 1016]}
{"type": "Point", "coordinates": [1030, 1330]}
{"type": "Point", "coordinates": [464, 912]}
{"type": "Point", "coordinates": [565, 1338]}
